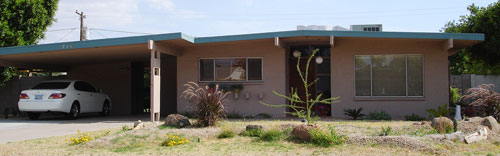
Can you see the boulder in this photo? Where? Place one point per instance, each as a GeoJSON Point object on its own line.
{"type": "Point", "coordinates": [441, 123]}
{"type": "Point", "coordinates": [177, 120]}
{"type": "Point", "coordinates": [492, 123]}
{"type": "Point", "coordinates": [455, 136]}
{"type": "Point", "coordinates": [477, 136]}
{"type": "Point", "coordinates": [302, 132]}
{"type": "Point", "coordinates": [251, 127]}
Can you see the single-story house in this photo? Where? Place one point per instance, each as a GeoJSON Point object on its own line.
{"type": "Point", "coordinates": [397, 72]}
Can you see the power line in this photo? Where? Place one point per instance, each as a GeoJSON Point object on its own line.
{"type": "Point", "coordinates": [100, 33]}
{"type": "Point", "coordinates": [65, 35]}
{"type": "Point", "coordinates": [60, 29]}
{"type": "Point", "coordinates": [121, 31]}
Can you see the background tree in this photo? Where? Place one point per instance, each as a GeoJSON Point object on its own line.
{"type": "Point", "coordinates": [482, 58]}
{"type": "Point", "coordinates": [22, 22]}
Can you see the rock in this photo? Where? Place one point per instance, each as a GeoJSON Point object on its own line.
{"type": "Point", "coordinates": [177, 120]}
{"type": "Point", "coordinates": [455, 136]}
{"type": "Point", "coordinates": [251, 127]}
{"type": "Point", "coordinates": [441, 124]}
{"type": "Point", "coordinates": [302, 132]}
{"type": "Point", "coordinates": [492, 123]}
{"type": "Point", "coordinates": [478, 136]}
{"type": "Point", "coordinates": [138, 125]}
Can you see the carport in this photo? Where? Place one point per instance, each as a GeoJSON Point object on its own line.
{"type": "Point", "coordinates": [117, 66]}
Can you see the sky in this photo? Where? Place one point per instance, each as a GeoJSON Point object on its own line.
{"type": "Point", "coordinates": [198, 18]}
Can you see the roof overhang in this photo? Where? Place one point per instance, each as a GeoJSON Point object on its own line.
{"type": "Point", "coordinates": [136, 47]}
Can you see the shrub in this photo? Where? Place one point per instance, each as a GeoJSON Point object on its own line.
{"type": "Point", "coordinates": [125, 128]}
{"type": "Point", "coordinates": [209, 102]}
{"type": "Point", "coordinates": [442, 111]}
{"type": "Point", "coordinates": [326, 138]}
{"type": "Point", "coordinates": [354, 113]}
{"type": "Point", "coordinates": [454, 96]}
{"type": "Point", "coordinates": [385, 131]}
{"type": "Point", "coordinates": [234, 115]}
{"type": "Point", "coordinates": [81, 138]}
{"type": "Point", "coordinates": [173, 140]}
{"type": "Point", "coordinates": [226, 134]}
{"type": "Point", "coordinates": [271, 135]}
{"type": "Point", "coordinates": [414, 117]}
{"type": "Point", "coordinates": [187, 114]}
{"type": "Point", "coordinates": [485, 99]}
{"type": "Point", "coordinates": [264, 115]}
{"type": "Point", "coordinates": [252, 133]}
{"type": "Point", "coordinates": [378, 116]}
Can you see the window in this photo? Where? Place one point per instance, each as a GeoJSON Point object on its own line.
{"type": "Point", "coordinates": [52, 85]}
{"type": "Point", "coordinates": [83, 86]}
{"type": "Point", "coordinates": [389, 75]}
{"type": "Point", "coordinates": [230, 69]}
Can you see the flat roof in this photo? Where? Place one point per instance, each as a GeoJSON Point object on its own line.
{"type": "Point", "coordinates": [228, 38]}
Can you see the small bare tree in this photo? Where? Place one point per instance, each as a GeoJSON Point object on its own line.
{"type": "Point", "coordinates": [304, 112]}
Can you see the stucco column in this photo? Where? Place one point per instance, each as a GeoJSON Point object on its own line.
{"type": "Point", "coordinates": [155, 82]}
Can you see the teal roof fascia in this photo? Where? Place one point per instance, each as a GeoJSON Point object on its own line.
{"type": "Point", "coordinates": [199, 40]}
{"type": "Point", "coordinates": [320, 33]}
{"type": "Point", "coordinates": [93, 43]}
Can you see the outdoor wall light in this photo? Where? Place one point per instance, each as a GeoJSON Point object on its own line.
{"type": "Point", "coordinates": [296, 53]}
{"type": "Point", "coordinates": [319, 59]}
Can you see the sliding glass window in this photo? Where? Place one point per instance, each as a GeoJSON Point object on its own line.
{"type": "Point", "coordinates": [389, 75]}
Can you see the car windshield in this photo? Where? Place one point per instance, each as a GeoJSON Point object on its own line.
{"type": "Point", "coordinates": [52, 85]}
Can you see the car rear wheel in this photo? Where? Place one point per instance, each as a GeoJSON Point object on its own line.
{"type": "Point", "coordinates": [33, 116]}
{"type": "Point", "coordinates": [74, 112]}
{"type": "Point", "coordinates": [105, 108]}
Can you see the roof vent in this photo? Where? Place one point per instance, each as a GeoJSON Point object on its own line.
{"type": "Point", "coordinates": [367, 27]}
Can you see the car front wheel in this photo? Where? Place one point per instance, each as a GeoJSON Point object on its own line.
{"type": "Point", "coordinates": [74, 112]}
{"type": "Point", "coordinates": [33, 116]}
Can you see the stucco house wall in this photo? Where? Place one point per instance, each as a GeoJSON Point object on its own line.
{"type": "Point", "coordinates": [435, 76]}
{"type": "Point", "coordinates": [273, 77]}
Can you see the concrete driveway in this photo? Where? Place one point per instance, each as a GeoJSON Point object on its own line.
{"type": "Point", "coordinates": [18, 129]}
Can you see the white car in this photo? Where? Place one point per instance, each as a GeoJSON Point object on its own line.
{"type": "Point", "coordinates": [67, 96]}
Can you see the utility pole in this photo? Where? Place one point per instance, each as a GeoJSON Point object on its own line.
{"type": "Point", "coordinates": [82, 16]}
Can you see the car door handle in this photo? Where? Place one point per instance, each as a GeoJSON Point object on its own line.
{"type": "Point", "coordinates": [78, 94]}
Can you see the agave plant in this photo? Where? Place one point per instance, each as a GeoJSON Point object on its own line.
{"type": "Point", "coordinates": [209, 102]}
{"type": "Point", "coordinates": [354, 113]}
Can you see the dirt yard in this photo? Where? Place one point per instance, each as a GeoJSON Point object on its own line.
{"type": "Point", "coordinates": [405, 138]}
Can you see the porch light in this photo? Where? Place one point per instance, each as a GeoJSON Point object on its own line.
{"type": "Point", "coordinates": [319, 59]}
{"type": "Point", "coordinates": [296, 53]}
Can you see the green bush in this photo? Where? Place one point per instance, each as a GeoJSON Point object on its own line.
{"type": "Point", "coordinates": [326, 138]}
{"type": "Point", "coordinates": [442, 111]}
{"type": "Point", "coordinates": [234, 115]}
{"type": "Point", "coordinates": [385, 131]}
{"type": "Point", "coordinates": [271, 135]}
{"type": "Point", "coordinates": [226, 134]}
{"type": "Point", "coordinates": [378, 116]}
{"type": "Point", "coordinates": [414, 117]}
{"type": "Point", "coordinates": [252, 133]}
{"type": "Point", "coordinates": [354, 113]}
{"type": "Point", "coordinates": [264, 115]}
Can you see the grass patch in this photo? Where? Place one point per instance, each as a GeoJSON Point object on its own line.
{"type": "Point", "coordinates": [271, 135]}
{"type": "Point", "coordinates": [226, 134]}
{"type": "Point", "coordinates": [252, 133]}
{"type": "Point", "coordinates": [422, 132]}
{"type": "Point", "coordinates": [163, 127]}
{"type": "Point", "coordinates": [326, 138]}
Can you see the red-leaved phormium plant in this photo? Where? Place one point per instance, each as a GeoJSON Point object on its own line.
{"type": "Point", "coordinates": [485, 99]}
{"type": "Point", "coordinates": [209, 102]}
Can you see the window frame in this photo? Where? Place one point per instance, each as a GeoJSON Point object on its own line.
{"type": "Point", "coordinates": [246, 70]}
{"type": "Point", "coordinates": [406, 77]}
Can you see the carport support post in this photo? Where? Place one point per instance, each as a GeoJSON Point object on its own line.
{"type": "Point", "coordinates": [155, 82]}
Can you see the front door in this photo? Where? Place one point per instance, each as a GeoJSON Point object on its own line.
{"type": "Point", "coordinates": [319, 71]}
